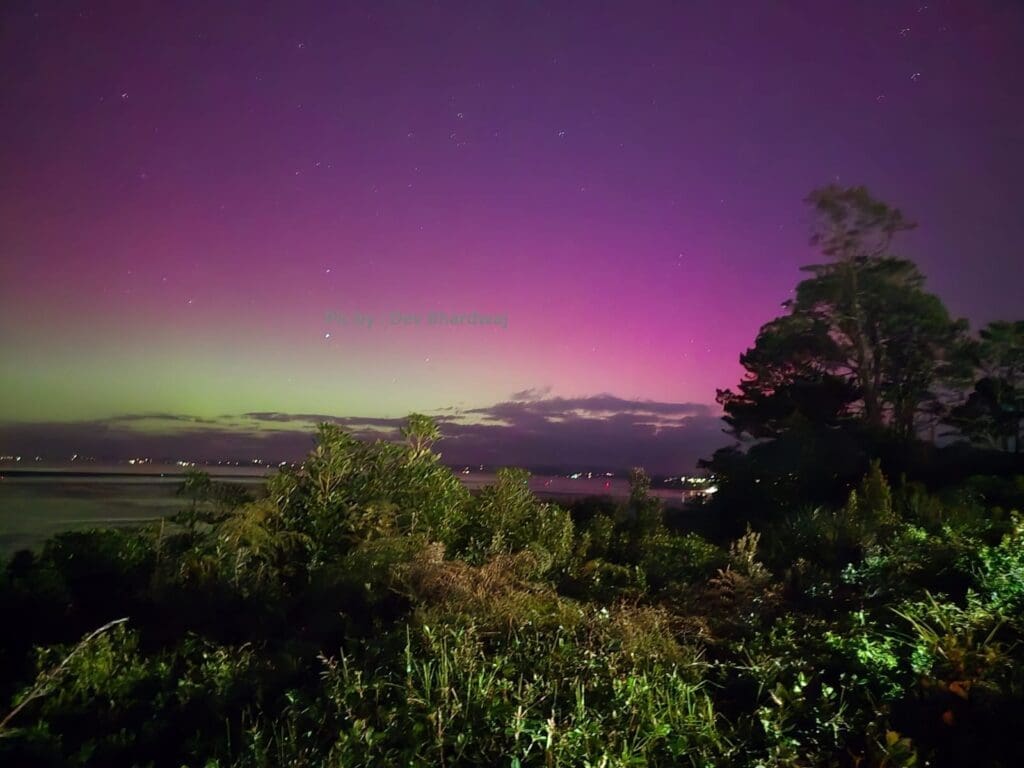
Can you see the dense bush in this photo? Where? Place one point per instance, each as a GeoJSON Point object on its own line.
{"type": "Point", "coordinates": [367, 611]}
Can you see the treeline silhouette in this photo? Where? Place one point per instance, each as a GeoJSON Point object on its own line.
{"type": "Point", "coordinates": [852, 596]}
{"type": "Point", "coordinates": [866, 365]}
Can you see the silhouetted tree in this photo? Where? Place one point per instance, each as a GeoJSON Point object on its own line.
{"type": "Point", "coordinates": [993, 414]}
{"type": "Point", "coordinates": [862, 340]}
{"type": "Point", "coordinates": [790, 381]}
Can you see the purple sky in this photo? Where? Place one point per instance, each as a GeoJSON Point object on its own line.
{"type": "Point", "coordinates": [189, 188]}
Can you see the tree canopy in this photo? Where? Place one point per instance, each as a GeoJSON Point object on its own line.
{"type": "Point", "coordinates": [861, 339]}
{"type": "Point", "coordinates": [993, 414]}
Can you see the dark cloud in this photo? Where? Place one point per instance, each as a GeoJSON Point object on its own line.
{"type": "Point", "coordinates": [134, 417]}
{"type": "Point", "coordinates": [320, 418]}
{"type": "Point", "coordinates": [534, 393]}
{"type": "Point", "coordinates": [601, 431]}
{"type": "Point", "coordinates": [595, 405]}
{"type": "Point", "coordinates": [597, 431]}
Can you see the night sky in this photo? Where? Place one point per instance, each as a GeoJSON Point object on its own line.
{"type": "Point", "coordinates": [195, 195]}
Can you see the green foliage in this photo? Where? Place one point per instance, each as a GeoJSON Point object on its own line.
{"type": "Point", "coordinates": [1000, 575]}
{"type": "Point", "coordinates": [100, 696]}
{"type": "Point", "coordinates": [835, 537]}
{"type": "Point", "coordinates": [209, 501]}
{"type": "Point", "coordinates": [913, 560]}
{"type": "Point", "coordinates": [506, 518]}
{"type": "Point", "coordinates": [453, 697]}
{"type": "Point", "coordinates": [347, 491]}
{"type": "Point", "coordinates": [673, 559]}
{"type": "Point", "coordinates": [367, 610]}
{"type": "Point", "coordinates": [993, 413]}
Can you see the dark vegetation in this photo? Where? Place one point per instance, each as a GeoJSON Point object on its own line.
{"type": "Point", "coordinates": [855, 596]}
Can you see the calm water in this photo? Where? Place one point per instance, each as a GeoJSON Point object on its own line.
{"type": "Point", "coordinates": [34, 508]}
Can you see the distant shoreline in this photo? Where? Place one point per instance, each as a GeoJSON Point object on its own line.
{"type": "Point", "coordinates": [551, 487]}
{"type": "Point", "coordinates": [170, 476]}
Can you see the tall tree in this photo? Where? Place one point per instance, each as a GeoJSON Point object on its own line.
{"type": "Point", "coordinates": [861, 341]}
